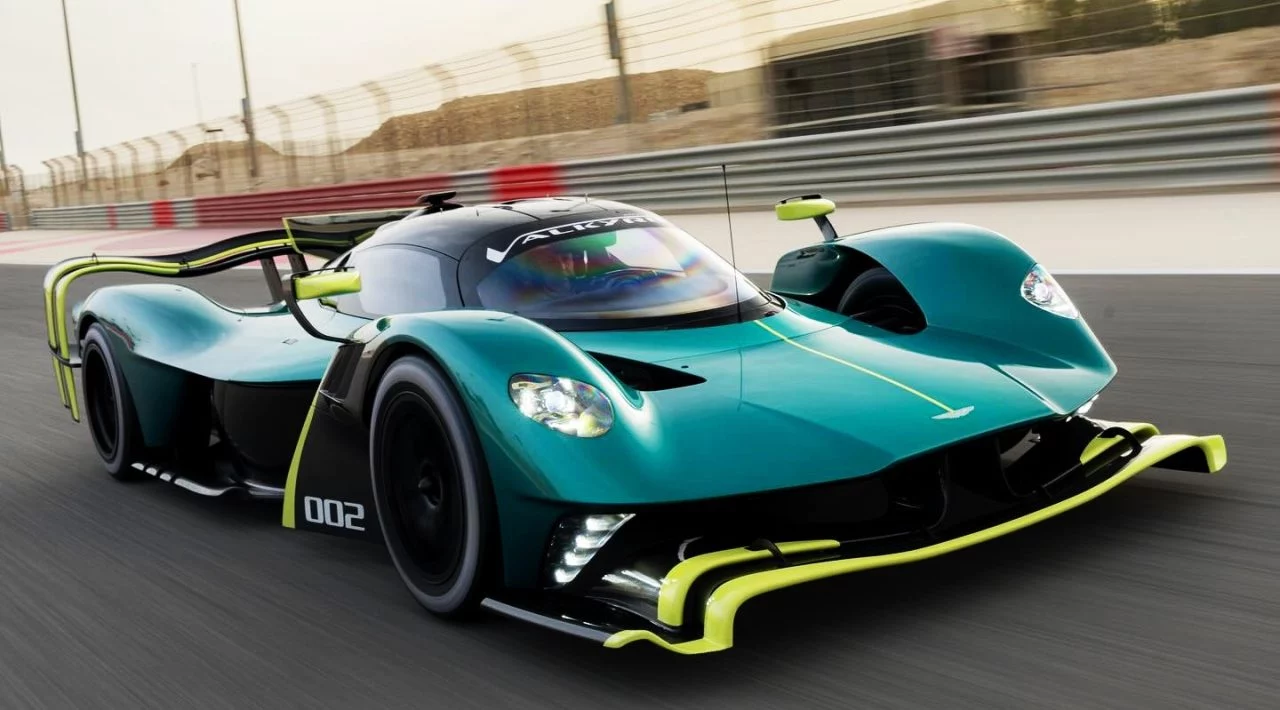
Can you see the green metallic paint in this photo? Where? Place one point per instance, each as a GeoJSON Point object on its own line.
{"type": "Point", "coordinates": [669, 446]}
{"type": "Point", "coordinates": [166, 333]}
{"type": "Point", "coordinates": [182, 328]}
{"type": "Point", "coordinates": [849, 399]}
{"type": "Point", "coordinates": [967, 282]}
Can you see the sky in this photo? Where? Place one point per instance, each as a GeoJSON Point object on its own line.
{"type": "Point", "coordinates": [138, 61]}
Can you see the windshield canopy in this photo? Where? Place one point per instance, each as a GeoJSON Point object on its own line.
{"type": "Point", "coordinates": [615, 272]}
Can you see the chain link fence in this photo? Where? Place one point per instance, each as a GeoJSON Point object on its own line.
{"type": "Point", "coordinates": [700, 72]}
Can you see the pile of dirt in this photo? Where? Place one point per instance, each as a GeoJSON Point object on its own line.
{"type": "Point", "coordinates": [219, 152]}
{"type": "Point", "coordinates": [562, 108]}
{"type": "Point", "coordinates": [1244, 58]}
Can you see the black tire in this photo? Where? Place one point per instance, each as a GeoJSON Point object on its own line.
{"type": "Point", "coordinates": [877, 297]}
{"type": "Point", "coordinates": [113, 422]}
{"type": "Point", "coordinates": [431, 489]}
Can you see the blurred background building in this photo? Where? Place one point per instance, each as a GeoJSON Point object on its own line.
{"type": "Point", "coordinates": [698, 72]}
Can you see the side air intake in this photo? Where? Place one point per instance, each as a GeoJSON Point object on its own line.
{"type": "Point", "coordinates": [646, 377]}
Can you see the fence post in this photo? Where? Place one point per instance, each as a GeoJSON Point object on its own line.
{"type": "Point", "coordinates": [69, 174]}
{"type": "Point", "coordinates": [96, 178]}
{"type": "Point", "coordinates": [287, 148]}
{"type": "Point", "coordinates": [448, 91]}
{"type": "Point", "coordinates": [617, 54]}
{"type": "Point", "coordinates": [331, 134]}
{"type": "Point", "coordinates": [185, 159]}
{"type": "Point", "coordinates": [53, 180]}
{"type": "Point", "coordinates": [4, 174]}
{"type": "Point", "coordinates": [529, 78]}
{"type": "Point", "coordinates": [216, 154]}
{"type": "Point", "coordinates": [136, 168]}
{"type": "Point", "coordinates": [26, 199]}
{"type": "Point", "coordinates": [383, 100]}
{"type": "Point", "coordinates": [162, 174]}
{"type": "Point", "coordinates": [115, 174]}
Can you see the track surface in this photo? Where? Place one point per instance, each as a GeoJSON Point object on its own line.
{"type": "Point", "coordinates": [1163, 594]}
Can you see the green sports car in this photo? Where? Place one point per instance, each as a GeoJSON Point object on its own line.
{"type": "Point", "coordinates": [572, 412]}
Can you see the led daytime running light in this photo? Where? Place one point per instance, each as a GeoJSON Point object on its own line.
{"type": "Point", "coordinates": [576, 542]}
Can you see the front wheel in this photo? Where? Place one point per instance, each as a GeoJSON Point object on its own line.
{"type": "Point", "coordinates": [877, 297]}
{"type": "Point", "coordinates": [431, 488]}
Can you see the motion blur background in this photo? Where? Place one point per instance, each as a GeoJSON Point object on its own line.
{"type": "Point", "coordinates": [1129, 144]}
{"type": "Point", "coordinates": [642, 76]}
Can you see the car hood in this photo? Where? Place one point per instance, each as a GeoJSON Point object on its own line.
{"type": "Point", "coordinates": [806, 397]}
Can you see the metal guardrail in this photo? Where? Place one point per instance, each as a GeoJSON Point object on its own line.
{"type": "Point", "coordinates": [85, 217]}
{"type": "Point", "coordinates": [1213, 140]}
{"type": "Point", "coordinates": [1208, 140]}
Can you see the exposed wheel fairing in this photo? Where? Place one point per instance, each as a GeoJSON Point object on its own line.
{"type": "Point", "coordinates": [113, 423]}
{"type": "Point", "coordinates": [879, 298]}
{"type": "Point", "coordinates": [438, 527]}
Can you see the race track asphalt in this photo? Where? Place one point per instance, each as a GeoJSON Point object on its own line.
{"type": "Point", "coordinates": [1163, 594]}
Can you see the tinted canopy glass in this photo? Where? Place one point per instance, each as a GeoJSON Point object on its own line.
{"type": "Point", "coordinates": [645, 270]}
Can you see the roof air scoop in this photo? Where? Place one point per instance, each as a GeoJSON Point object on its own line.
{"type": "Point", "coordinates": [438, 202]}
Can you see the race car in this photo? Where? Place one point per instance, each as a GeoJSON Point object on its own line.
{"type": "Point", "coordinates": [573, 412]}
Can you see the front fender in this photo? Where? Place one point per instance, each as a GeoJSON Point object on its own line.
{"type": "Point", "coordinates": [537, 474]}
{"type": "Point", "coordinates": [966, 279]}
{"type": "Point", "coordinates": [480, 351]}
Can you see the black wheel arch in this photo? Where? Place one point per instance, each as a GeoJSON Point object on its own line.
{"type": "Point", "coordinates": [822, 275]}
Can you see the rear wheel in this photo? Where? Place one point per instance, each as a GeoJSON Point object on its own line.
{"type": "Point", "coordinates": [113, 423]}
{"type": "Point", "coordinates": [431, 488]}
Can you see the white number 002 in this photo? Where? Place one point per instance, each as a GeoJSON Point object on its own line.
{"type": "Point", "coordinates": [333, 512]}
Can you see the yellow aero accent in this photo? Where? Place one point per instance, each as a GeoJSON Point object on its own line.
{"type": "Point", "coordinates": [69, 382]}
{"type": "Point", "coordinates": [291, 483]}
{"type": "Point", "coordinates": [56, 318]}
{"type": "Point", "coordinates": [335, 283]}
{"type": "Point", "coordinates": [859, 368]}
{"type": "Point", "coordinates": [722, 607]}
{"type": "Point", "coordinates": [677, 583]}
{"type": "Point", "coordinates": [803, 209]}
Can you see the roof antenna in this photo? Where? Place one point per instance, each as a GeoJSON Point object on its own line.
{"type": "Point", "coordinates": [733, 256]}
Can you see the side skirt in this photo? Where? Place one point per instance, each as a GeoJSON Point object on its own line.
{"type": "Point", "coordinates": [212, 488]}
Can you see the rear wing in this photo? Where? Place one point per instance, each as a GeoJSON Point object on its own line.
{"type": "Point", "coordinates": [324, 236]}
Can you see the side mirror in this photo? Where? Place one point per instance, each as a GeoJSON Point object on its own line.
{"type": "Point", "coordinates": [325, 285]}
{"type": "Point", "coordinates": [812, 207]}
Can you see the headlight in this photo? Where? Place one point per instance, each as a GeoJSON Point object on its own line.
{"type": "Point", "coordinates": [568, 406]}
{"type": "Point", "coordinates": [1040, 289]}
